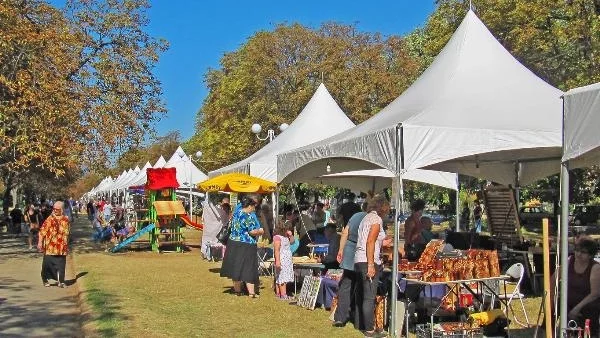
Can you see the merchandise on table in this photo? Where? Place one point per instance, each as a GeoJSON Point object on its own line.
{"type": "Point", "coordinates": [449, 330]}
{"type": "Point", "coordinates": [453, 266]}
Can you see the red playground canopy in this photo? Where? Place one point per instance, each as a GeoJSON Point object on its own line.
{"type": "Point", "coordinates": [161, 178]}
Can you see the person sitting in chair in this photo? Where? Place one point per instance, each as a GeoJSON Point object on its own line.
{"type": "Point", "coordinates": [583, 291]}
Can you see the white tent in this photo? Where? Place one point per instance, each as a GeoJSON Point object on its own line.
{"type": "Point", "coordinates": [187, 172]}
{"type": "Point", "coordinates": [581, 148]}
{"type": "Point", "coordinates": [474, 103]}
{"type": "Point", "coordinates": [475, 109]}
{"type": "Point", "coordinates": [581, 122]}
{"type": "Point", "coordinates": [378, 179]}
{"type": "Point", "coordinates": [124, 184]}
{"type": "Point", "coordinates": [160, 162]}
{"type": "Point", "coordinates": [132, 178]}
{"type": "Point", "coordinates": [320, 119]}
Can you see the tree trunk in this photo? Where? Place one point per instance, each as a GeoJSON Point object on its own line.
{"type": "Point", "coordinates": [8, 185]}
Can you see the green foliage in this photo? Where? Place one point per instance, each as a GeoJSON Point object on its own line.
{"type": "Point", "coordinates": [557, 40]}
{"type": "Point", "coordinates": [272, 76]}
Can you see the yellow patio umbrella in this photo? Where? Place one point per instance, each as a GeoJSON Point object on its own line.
{"type": "Point", "coordinates": [237, 182]}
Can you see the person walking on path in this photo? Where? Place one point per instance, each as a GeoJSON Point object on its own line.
{"type": "Point", "coordinates": [53, 243]}
{"type": "Point", "coordinates": [32, 217]}
{"type": "Point", "coordinates": [477, 212]}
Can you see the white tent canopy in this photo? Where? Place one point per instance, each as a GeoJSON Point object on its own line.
{"type": "Point", "coordinates": [378, 179]}
{"type": "Point", "coordinates": [160, 162]}
{"type": "Point", "coordinates": [187, 172]}
{"type": "Point", "coordinates": [132, 178]}
{"type": "Point", "coordinates": [141, 177]}
{"type": "Point", "coordinates": [320, 119]}
{"type": "Point", "coordinates": [475, 103]}
{"type": "Point", "coordinates": [581, 122]}
{"type": "Point", "coordinates": [581, 148]}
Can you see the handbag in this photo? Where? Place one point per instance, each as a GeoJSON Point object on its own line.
{"type": "Point", "coordinates": [223, 235]}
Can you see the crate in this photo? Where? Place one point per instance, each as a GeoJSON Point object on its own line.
{"type": "Point", "coordinates": [424, 331]}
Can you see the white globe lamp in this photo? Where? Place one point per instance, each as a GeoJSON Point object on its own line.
{"type": "Point", "coordinates": [256, 128]}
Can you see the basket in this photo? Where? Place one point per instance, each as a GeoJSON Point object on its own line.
{"type": "Point", "coordinates": [424, 331]}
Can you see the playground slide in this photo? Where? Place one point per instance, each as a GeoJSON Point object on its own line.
{"type": "Point", "coordinates": [134, 237]}
{"type": "Point", "coordinates": [191, 224]}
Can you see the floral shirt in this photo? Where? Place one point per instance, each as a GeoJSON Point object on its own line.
{"type": "Point", "coordinates": [241, 224]}
{"type": "Point", "coordinates": [54, 235]}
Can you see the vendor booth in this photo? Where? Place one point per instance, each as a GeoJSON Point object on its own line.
{"type": "Point", "coordinates": [476, 110]}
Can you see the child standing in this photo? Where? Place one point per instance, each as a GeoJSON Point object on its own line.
{"type": "Point", "coordinates": [284, 271]}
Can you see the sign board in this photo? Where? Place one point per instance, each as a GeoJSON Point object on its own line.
{"type": "Point", "coordinates": [309, 292]}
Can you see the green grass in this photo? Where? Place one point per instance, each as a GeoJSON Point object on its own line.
{"type": "Point", "coordinates": [148, 294]}
{"type": "Point", "coordinates": [106, 315]}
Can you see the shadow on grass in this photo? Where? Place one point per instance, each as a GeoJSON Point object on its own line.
{"type": "Point", "coordinates": [106, 314]}
{"type": "Point", "coordinates": [70, 282]}
{"type": "Point", "coordinates": [215, 270]}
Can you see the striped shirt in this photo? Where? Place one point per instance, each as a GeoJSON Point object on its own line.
{"type": "Point", "coordinates": [363, 233]}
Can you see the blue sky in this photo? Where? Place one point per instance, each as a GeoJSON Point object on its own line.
{"type": "Point", "coordinates": [200, 32]}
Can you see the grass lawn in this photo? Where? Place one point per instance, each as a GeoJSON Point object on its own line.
{"type": "Point", "coordinates": [145, 294]}
{"type": "Point", "coordinates": [137, 294]}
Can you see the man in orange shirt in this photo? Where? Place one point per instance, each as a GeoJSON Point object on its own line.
{"type": "Point", "coordinates": [53, 243]}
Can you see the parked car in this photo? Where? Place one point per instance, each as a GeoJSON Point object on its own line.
{"type": "Point", "coordinates": [532, 216]}
{"type": "Point", "coordinates": [436, 217]}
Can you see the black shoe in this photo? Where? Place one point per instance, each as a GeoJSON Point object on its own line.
{"type": "Point", "coordinates": [338, 324]}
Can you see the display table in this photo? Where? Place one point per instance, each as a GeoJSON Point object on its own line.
{"type": "Point", "coordinates": [482, 288]}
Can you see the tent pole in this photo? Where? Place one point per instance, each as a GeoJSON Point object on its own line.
{"type": "Point", "coordinates": [275, 205]}
{"type": "Point", "coordinates": [564, 244]}
{"type": "Point", "coordinates": [457, 204]}
{"type": "Point", "coordinates": [399, 205]}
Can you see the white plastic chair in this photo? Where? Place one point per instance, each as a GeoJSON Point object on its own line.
{"type": "Point", "coordinates": [516, 272]}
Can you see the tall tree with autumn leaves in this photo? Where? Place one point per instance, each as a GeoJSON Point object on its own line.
{"type": "Point", "coordinates": [75, 84]}
{"type": "Point", "coordinates": [271, 78]}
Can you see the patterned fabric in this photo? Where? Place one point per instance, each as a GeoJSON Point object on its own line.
{"type": "Point", "coordinates": [241, 224]}
{"type": "Point", "coordinates": [55, 235]}
{"type": "Point", "coordinates": [363, 233]}
{"type": "Point", "coordinates": [286, 274]}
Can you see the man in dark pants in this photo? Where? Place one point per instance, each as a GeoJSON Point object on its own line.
{"type": "Point", "coordinates": [53, 243]}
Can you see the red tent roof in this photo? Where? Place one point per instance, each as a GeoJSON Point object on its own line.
{"type": "Point", "coordinates": [161, 178]}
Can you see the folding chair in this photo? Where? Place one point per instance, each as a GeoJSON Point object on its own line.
{"type": "Point", "coordinates": [264, 266]}
{"type": "Point", "coordinates": [516, 272]}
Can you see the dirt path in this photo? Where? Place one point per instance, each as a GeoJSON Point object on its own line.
{"type": "Point", "coordinates": [27, 308]}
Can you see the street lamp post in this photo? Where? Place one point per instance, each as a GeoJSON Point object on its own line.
{"type": "Point", "coordinates": [198, 155]}
{"type": "Point", "coordinates": [256, 129]}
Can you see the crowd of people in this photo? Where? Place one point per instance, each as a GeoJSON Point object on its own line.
{"type": "Point", "coordinates": [108, 221]}
{"type": "Point", "coordinates": [356, 251]}
{"type": "Point", "coordinates": [27, 221]}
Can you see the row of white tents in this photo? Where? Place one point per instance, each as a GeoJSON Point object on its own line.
{"type": "Point", "coordinates": [188, 175]}
{"type": "Point", "coordinates": [476, 111]}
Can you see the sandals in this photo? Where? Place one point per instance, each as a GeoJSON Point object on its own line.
{"type": "Point", "coordinates": [46, 284]}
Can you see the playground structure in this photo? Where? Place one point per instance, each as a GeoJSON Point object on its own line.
{"type": "Point", "coordinates": [165, 217]}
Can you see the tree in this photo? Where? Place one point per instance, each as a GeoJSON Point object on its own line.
{"type": "Point", "coordinates": [273, 75]}
{"type": "Point", "coordinates": [74, 85]}
{"type": "Point", "coordinates": [557, 40]}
